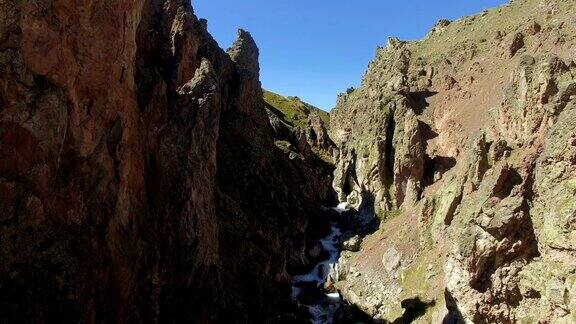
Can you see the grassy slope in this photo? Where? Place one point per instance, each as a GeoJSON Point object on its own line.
{"type": "Point", "coordinates": [292, 110]}
{"type": "Point", "coordinates": [481, 28]}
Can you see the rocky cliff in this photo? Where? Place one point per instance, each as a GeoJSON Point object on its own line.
{"type": "Point", "coordinates": [139, 176]}
{"type": "Point", "coordinates": [300, 132]}
{"type": "Point", "coordinates": [462, 145]}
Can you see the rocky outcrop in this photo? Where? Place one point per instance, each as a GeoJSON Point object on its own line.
{"type": "Point", "coordinates": [300, 124]}
{"type": "Point", "coordinates": [381, 149]}
{"type": "Point", "coordinates": [540, 90]}
{"type": "Point", "coordinates": [139, 180]}
{"type": "Point", "coordinates": [306, 143]}
{"type": "Point", "coordinates": [463, 146]}
{"type": "Point", "coordinates": [317, 135]}
{"type": "Point", "coordinates": [498, 228]}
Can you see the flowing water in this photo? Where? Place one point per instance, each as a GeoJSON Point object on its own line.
{"type": "Point", "coordinates": [308, 288]}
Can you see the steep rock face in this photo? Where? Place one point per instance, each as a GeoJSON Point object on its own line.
{"type": "Point", "coordinates": [485, 186]}
{"type": "Point", "coordinates": [139, 180]}
{"type": "Point", "coordinates": [504, 233]}
{"type": "Point", "coordinates": [300, 124]}
{"type": "Point", "coordinates": [381, 149]}
{"type": "Point", "coordinates": [300, 133]}
{"type": "Point", "coordinates": [69, 126]}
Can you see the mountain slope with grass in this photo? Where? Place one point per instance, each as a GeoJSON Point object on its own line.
{"type": "Point", "coordinates": [453, 143]}
{"type": "Point", "coordinates": [301, 129]}
{"type": "Point", "coordinates": [292, 110]}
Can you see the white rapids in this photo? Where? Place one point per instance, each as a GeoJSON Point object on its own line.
{"type": "Point", "coordinates": [324, 307]}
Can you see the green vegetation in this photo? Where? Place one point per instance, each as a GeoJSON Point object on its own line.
{"type": "Point", "coordinates": [285, 146]}
{"type": "Point", "coordinates": [413, 279]}
{"type": "Point", "coordinates": [292, 110]}
{"type": "Point", "coordinates": [388, 215]}
{"type": "Point", "coordinates": [288, 149]}
{"type": "Point", "coordinates": [473, 34]}
{"type": "Point", "coordinates": [323, 155]}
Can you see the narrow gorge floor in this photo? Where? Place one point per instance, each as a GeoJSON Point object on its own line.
{"type": "Point", "coordinates": [308, 289]}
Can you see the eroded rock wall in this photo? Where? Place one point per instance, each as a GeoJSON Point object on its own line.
{"type": "Point", "coordinates": [139, 180]}
{"type": "Point", "coordinates": [381, 147]}
{"type": "Point", "coordinates": [468, 133]}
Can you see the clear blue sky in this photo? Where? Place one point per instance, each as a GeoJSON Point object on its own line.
{"type": "Point", "coordinates": [315, 49]}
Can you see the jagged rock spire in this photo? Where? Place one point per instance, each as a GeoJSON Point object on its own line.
{"type": "Point", "coordinates": [245, 53]}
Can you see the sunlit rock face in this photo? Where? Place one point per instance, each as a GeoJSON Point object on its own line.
{"type": "Point", "coordinates": [139, 180]}
{"type": "Point", "coordinates": [462, 145]}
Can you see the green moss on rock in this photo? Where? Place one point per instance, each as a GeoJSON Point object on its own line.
{"type": "Point", "coordinates": [292, 110]}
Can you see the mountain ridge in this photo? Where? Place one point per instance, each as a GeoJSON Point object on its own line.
{"type": "Point", "coordinates": [444, 143]}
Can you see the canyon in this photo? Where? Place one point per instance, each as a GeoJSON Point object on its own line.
{"type": "Point", "coordinates": [146, 176]}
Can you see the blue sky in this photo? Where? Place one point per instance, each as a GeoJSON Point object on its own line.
{"type": "Point", "coordinates": [315, 49]}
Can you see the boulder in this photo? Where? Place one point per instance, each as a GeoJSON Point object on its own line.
{"type": "Point", "coordinates": [516, 44]}
{"type": "Point", "coordinates": [391, 260]}
{"type": "Point", "coordinates": [533, 28]}
{"type": "Point", "coordinates": [352, 244]}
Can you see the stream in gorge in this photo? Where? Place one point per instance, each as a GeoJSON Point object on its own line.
{"type": "Point", "coordinates": [308, 288]}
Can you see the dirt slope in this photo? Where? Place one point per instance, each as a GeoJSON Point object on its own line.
{"type": "Point", "coordinates": [453, 142]}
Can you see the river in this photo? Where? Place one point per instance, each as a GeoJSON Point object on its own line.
{"type": "Point", "coordinates": [308, 288]}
